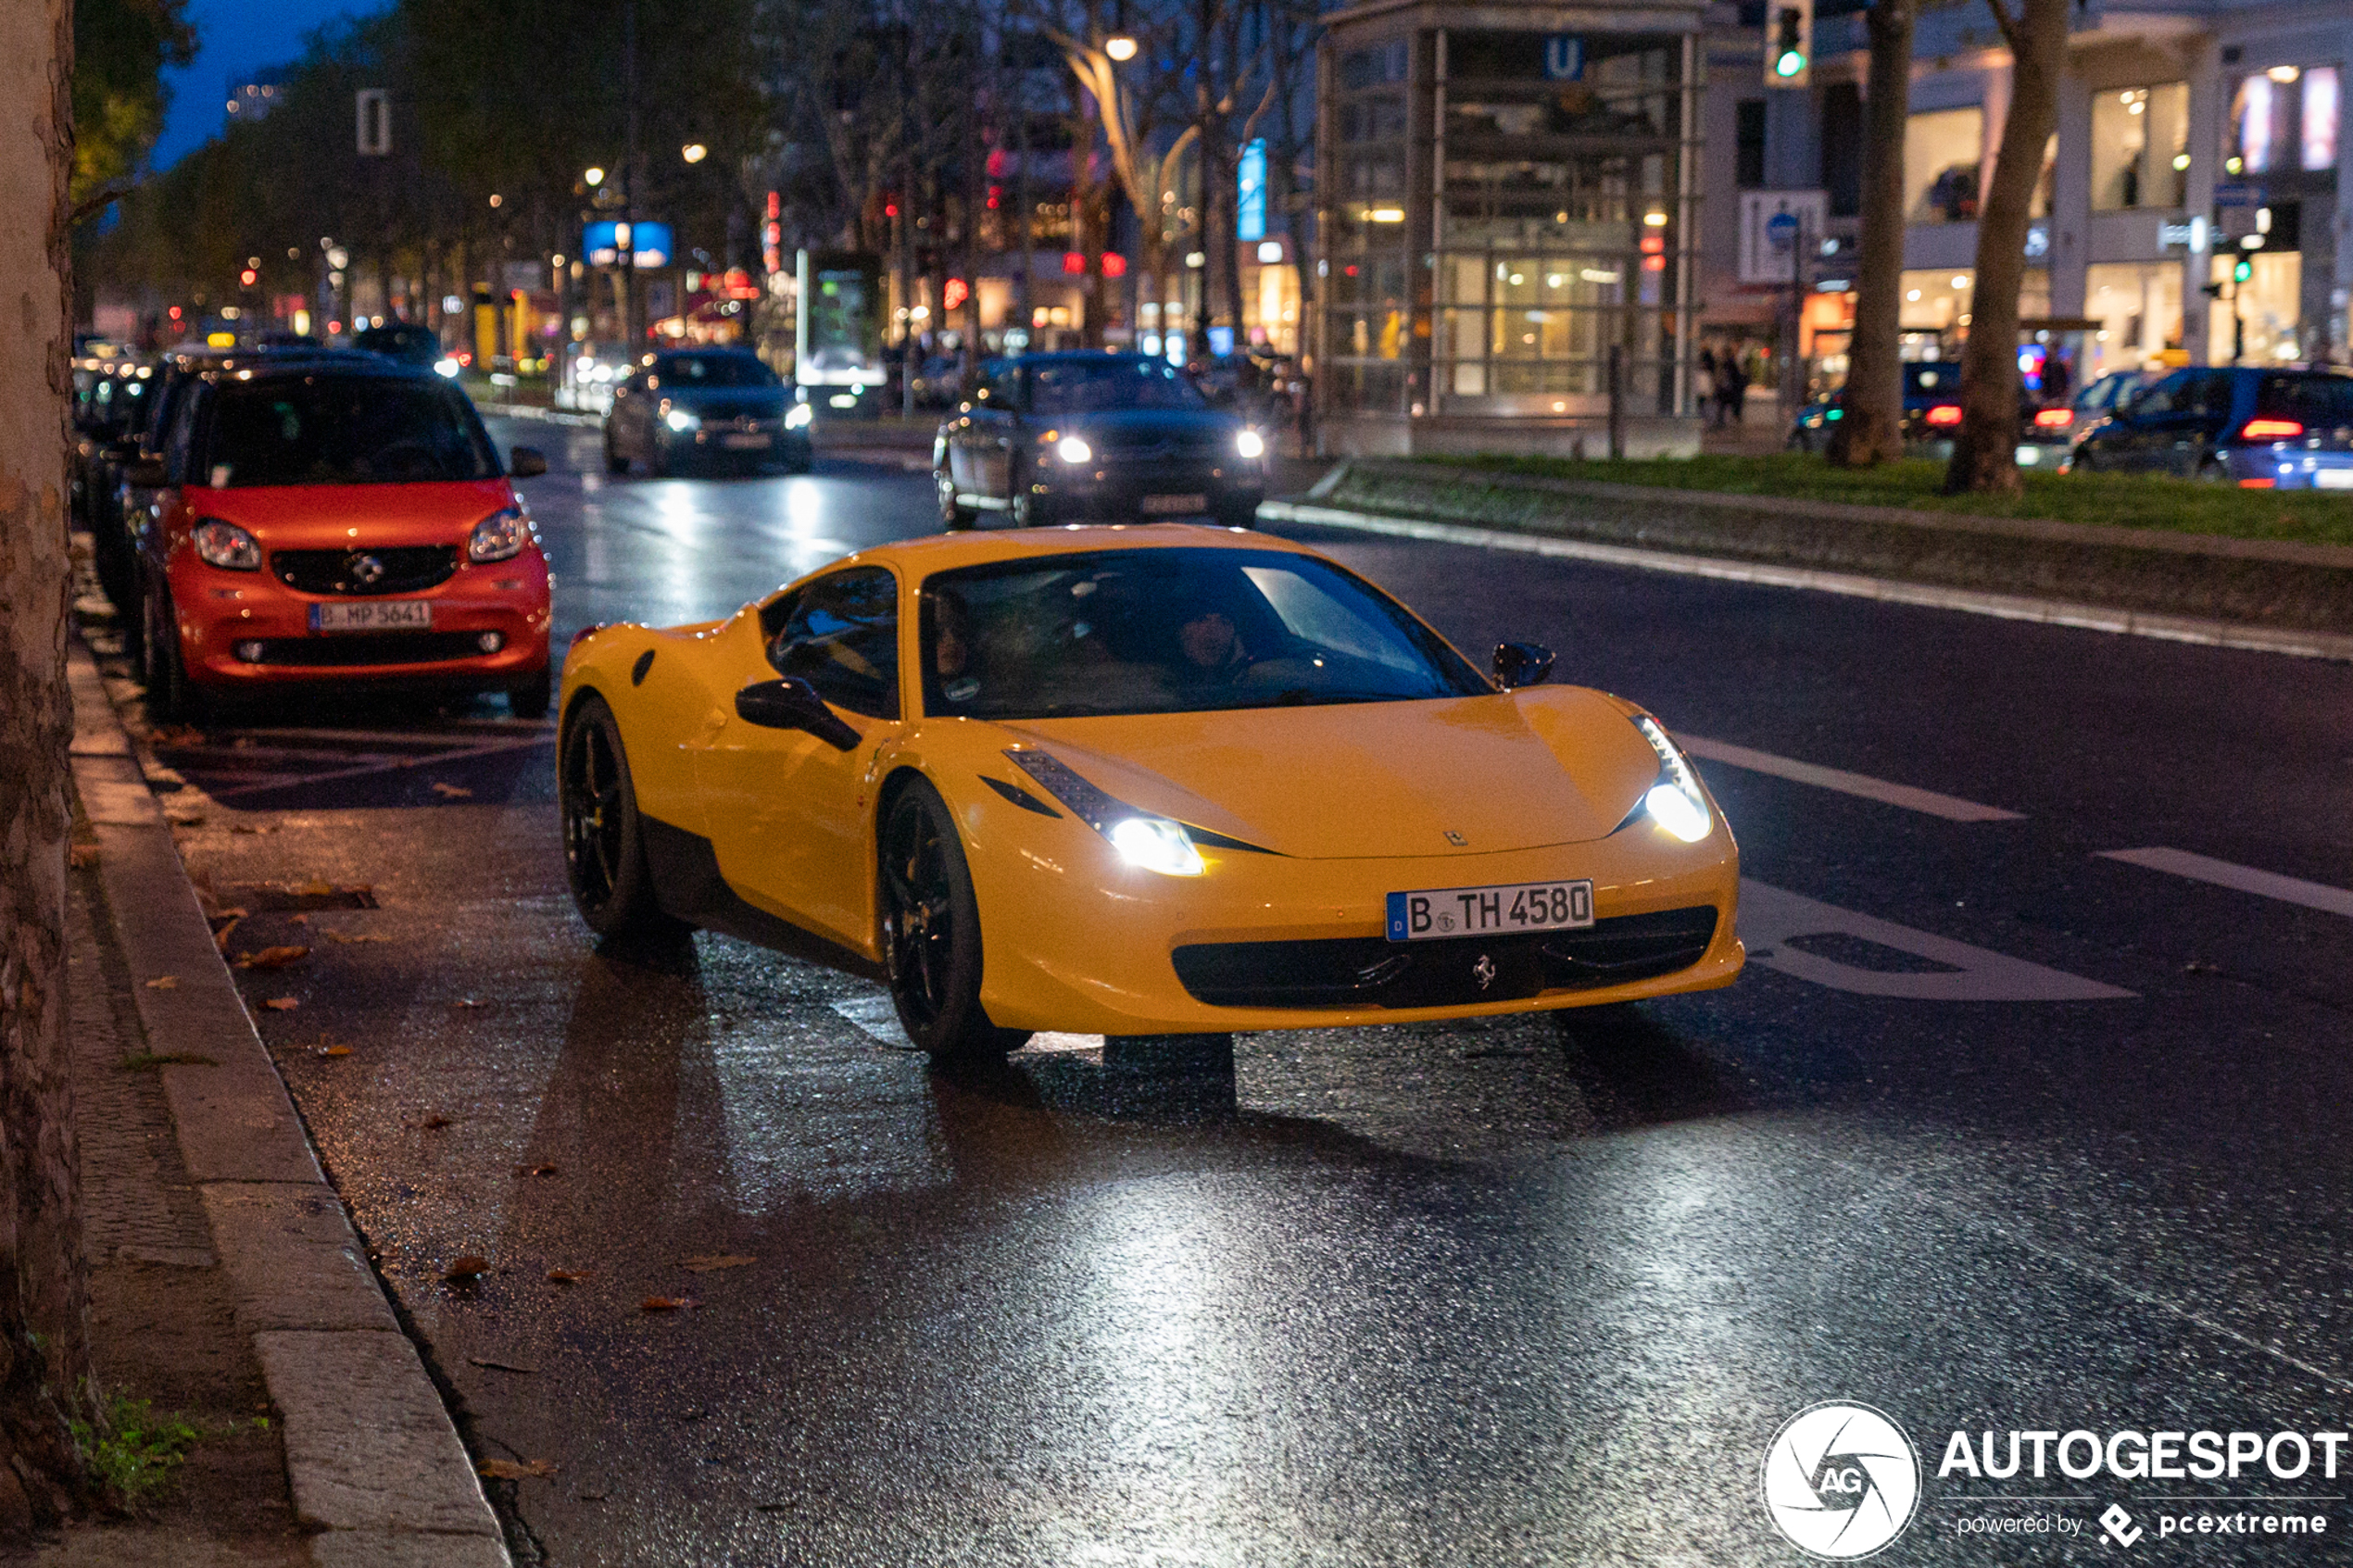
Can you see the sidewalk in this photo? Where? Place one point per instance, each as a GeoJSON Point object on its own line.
{"type": "Point", "coordinates": [228, 1288]}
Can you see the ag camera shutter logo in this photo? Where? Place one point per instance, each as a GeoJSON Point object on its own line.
{"type": "Point", "coordinates": [1842, 1481]}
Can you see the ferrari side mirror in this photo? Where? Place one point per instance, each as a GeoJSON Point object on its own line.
{"type": "Point", "coordinates": [527, 462]}
{"type": "Point", "coordinates": [1521, 664]}
{"type": "Point", "coordinates": [793, 704]}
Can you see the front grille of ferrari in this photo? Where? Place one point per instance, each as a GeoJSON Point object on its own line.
{"type": "Point", "coordinates": [401, 568]}
{"type": "Point", "coordinates": [1373, 972]}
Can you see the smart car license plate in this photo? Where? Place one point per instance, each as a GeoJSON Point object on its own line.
{"type": "Point", "coordinates": [1173, 506]}
{"type": "Point", "coordinates": [1490, 911]}
{"type": "Point", "coordinates": [2333, 479]}
{"type": "Point", "coordinates": [376, 615]}
{"type": "Point", "coordinates": [743, 442]}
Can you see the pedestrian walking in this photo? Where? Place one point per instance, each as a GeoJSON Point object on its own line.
{"type": "Point", "coordinates": [1704, 383]}
{"type": "Point", "coordinates": [1732, 388]}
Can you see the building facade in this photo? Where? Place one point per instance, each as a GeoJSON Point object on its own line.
{"type": "Point", "coordinates": [2192, 137]}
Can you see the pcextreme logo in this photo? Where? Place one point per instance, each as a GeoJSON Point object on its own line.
{"type": "Point", "coordinates": [1841, 1480]}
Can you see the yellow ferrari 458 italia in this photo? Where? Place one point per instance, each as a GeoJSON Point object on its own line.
{"type": "Point", "coordinates": [1134, 782]}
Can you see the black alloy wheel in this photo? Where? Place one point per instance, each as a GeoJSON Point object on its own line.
{"type": "Point", "coordinates": [953, 514]}
{"type": "Point", "coordinates": [604, 837]}
{"type": "Point", "coordinates": [171, 699]}
{"type": "Point", "coordinates": [931, 934]}
{"type": "Point", "coordinates": [1028, 511]}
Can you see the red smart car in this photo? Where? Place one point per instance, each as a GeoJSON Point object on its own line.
{"type": "Point", "coordinates": [336, 519]}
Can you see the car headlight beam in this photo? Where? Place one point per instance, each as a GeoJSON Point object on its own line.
{"type": "Point", "coordinates": [1249, 443]}
{"type": "Point", "coordinates": [1071, 449]}
{"type": "Point", "coordinates": [799, 415]}
{"type": "Point", "coordinates": [681, 421]}
{"type": "Point", "coordinates": [1676, 802]}
{"type": "Point", "coordinates": [1147, 842]}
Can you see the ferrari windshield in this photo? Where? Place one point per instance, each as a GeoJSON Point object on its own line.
{"type": "Point", "coordinates": [1172, 631]}
{"type": "Point", "coordinates": [345, 430]}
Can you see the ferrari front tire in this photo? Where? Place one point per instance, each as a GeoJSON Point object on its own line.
{"type": "Point", "coordinates": [604, 836]}
{"type": "Point", "coordinates": [931, 934]}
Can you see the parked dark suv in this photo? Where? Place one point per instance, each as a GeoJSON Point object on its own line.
{"type": "Point", "coordinates": [2286, 428]}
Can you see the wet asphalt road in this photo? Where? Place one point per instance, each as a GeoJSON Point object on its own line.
{"type": "Point", "coordinates": [1514, 1292]}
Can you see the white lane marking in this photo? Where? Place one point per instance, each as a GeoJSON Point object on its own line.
{"type": "Point", "coordinates": [2245, 879]}
{"type": "Point", "coordinates": [1951, 808]}
{"type": "Point", "coordinates": [1770, 916]}
{"type": "Point", "coordinates": [1972, 601]}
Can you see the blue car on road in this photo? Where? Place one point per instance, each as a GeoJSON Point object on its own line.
{"type": "Point", "coordinates": [2275, 427]}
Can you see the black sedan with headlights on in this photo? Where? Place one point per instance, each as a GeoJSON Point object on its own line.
{"type": "Point", "coordinates": [702, 406]}
{"type": "Point", "coordinates": [1051, 438]}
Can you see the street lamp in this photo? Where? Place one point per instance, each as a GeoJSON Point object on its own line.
{"type": "Point", "coordinates": [595, 177]}
{"type": "Point", "coordinates": [694, 152]}
{"type": "Point", "coordinates": [1120, 47]}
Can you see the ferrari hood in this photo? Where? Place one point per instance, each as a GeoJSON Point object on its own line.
{"type": "Point", "coordinates": [1460, 776]}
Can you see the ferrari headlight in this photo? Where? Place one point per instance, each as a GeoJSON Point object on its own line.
{"type": "Point", "coordinates": [1676, 801]}
{"type": "Point", "coordinates": [500, 537]}
{"type": "Point", "coordinates": [681, 421]}
{"type": "Point", "coordinates": [1249, 443]}
{"type": "Point", "coordinates": [1074, 451]}
{"type": "Point", "coordinates": [226, 546]}
{"type": "Point", "coordinates": [1155, 844]}
{"type": "Point", "coordinates": [1148, 843]}
{"type": "Point", "coordinates": [799, 415]}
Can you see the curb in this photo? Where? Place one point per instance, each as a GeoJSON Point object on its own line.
{"type": "Point", "coordinates": [372, 1458]}
{"type": "Point", "coordinates": [2007, 607]}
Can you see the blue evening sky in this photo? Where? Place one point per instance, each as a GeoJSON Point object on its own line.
{"type": "Point", "coordinates": [236, 38]}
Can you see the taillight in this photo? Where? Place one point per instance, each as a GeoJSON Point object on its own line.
{"type": "Point", "coordinates": [2259, 484]}
{"type": "Point", "coordinates": [1945, 414]}
{"type": "Point", "coordinates": [2054, 418]}
{"type": "Point", "coordinates": [2271, 430]}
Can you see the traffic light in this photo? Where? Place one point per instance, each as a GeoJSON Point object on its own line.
{"type": "Point", "coordinates": [1789, 44]}
{"type": "Point", "coordinates": [248, 277]}
{"type": "Point", "coordinates": [2241, 269]}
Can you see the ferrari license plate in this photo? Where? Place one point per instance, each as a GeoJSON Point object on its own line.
{"type": "Point", "coordinates": [376, 615]}
{"type": "Point", "coordinates": [1173, 506]}
{"type": "Point", "coordinates": [1490, 911]}
{"type": "Point", "coordinates": [743, 442]}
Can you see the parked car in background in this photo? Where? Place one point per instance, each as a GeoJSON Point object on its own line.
{"type": "Point", "coordinates": [109, 398]}
{"type": "Point", "coordinates": [336, 520]}
{"type": "Point", "coordinates": [407, 342]}
{"type": "Point", "coordinates": [1052, 438]}
{"type": "Point", "coordinates": [2260, 428]}
{"type": "Point", "coordinates": [2049, 436]}
{"type": "Point", "coordinates": [1931, 410]}
{"type": "Point", "coordinates": [705, 407]}
{"type": "Point", "coordinates": [939, 381]}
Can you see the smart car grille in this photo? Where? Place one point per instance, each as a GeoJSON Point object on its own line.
{"type": "Point", "coordinates": [403, 569]}
{"type": "Point", "coordinates": [372, 647]}
{"type": "Point", "coordinates": [1373, 972]}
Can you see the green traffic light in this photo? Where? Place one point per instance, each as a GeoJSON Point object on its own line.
{"type": "Point", "coordinates": [1790, 64]}
{"type": "Point", "coordinates": [2244, 271]}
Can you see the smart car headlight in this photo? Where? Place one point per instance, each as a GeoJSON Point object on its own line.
{"type": "Point", "coordinates": [500, 537]}
{"type": "Point", "coordinates": [1676, 801]}
{"type": "Point", "coordinates": [799, 415]}
{"type": "Point", "coordinates": [226, 546]}
{"type": "Point", "coordinates": [681, 421]}
{"type": "Point", "coordinates": [1144, 841]}
{"type": "Point", "coordinates": [446, 366]}
{"type": "Point", "coordinates": [1249, 443]}
{"type": "Point", "coordinates": [1074, 451]}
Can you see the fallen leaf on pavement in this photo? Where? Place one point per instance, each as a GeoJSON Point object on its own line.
{"type": "Point", "coordinates": [508, 1470]}
{"type": "Point", "coordinates": [83, 855]}
{"type": "Point", "coordinates": [164, 982]}
{"type": "Point", "coordinates": [248, 827]}
{"type": "Point", "coordinates": [331, 1050]}
{"type": "Point", "coordinates": [711, 1260]}
{"type": "Point", "coordinates": [183, 819]}
{"type": "Point", "coordinates": [349, 938]}
{"type": "Point", "coordinates": [434, 1123]}
{"type": "Point", "coordinates": [536, 1171]}
{"type": "Point", "coordinates": [283, 1004]}
{"type": "Point", "coordinates": [297, 920]}
{"type": "Point", "coordinates": [465, 1002]}
{"type": "Point", "coordinates": [499, 1366]}
{"type": "Point", "coordinates": [452, 792]}
{"type": "Point", "coordinates": [466, 1268]}
{"type": "Point", "coordinates": [176, 736]}
{"type": "Point", "coordinates": [220, 937]}
{"type": "Point", "coordinates": [567, 1276]}
{"type": "Point", "coordinates": [273, 958]}
{"type": "Point", "coordinates": [665, 1303]}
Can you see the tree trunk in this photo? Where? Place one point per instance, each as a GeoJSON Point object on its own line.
{"type": "Point", "coordinates": [1985, 453]}
{"type": "Point", "coordinates": [44, 1282]}
{"type": "Point", "coordinates": [1870, 429]}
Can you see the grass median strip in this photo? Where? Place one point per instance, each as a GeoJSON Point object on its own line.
{"type": "Point", "coordinates": [2115, 500]}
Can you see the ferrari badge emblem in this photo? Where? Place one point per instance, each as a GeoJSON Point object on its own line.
{"type": "Point", "coordinates": [1485, 970]}
{"type": "Point", "coordinates": [1456, 839]}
